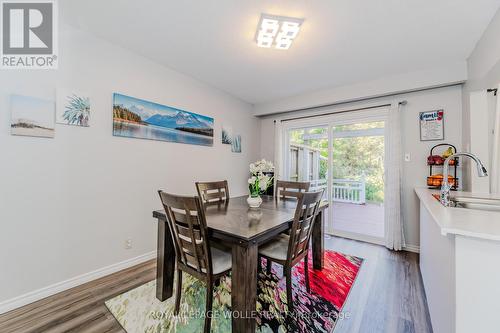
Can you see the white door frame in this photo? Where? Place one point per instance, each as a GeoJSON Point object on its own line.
{"type": "Point", "coordinates": [329, 121]}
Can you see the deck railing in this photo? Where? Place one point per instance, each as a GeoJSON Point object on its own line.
{"type": "Point", "coordinates": [344, 190]}
{"type": "Point", "coordinates": [351, 191]}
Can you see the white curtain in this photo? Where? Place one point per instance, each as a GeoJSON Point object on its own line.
{"type": "Point", "coordinates": [394, 236]}
{"type": "Point", "coordinates": [495, 157]}
{"type": "Point", "coordinates": [278, 147]}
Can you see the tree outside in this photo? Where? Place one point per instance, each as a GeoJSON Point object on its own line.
{"type": "Point", "coordinates": [355, 156]}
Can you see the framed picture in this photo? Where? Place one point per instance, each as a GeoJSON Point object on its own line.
{"type": "Point", "coordinates": [236, 144]}
{"type": "Point", "coordinates": [227, 135]}
{"type": "Point", "coordinates": [32, 116]}
{"type": "Point", "coordinates": [137, 118]}
{"type": "Point", "coordinates": [72, 108]}
{"type": "Point", "coordinates": [431, 125]}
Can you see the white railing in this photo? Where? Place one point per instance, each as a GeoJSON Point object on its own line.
{"type": "Point", "coordinates": [318, 184]}
{"type": "Point", "coordinates": [351, 191]}
{"type": "Point", "coordinates": [344, 190]}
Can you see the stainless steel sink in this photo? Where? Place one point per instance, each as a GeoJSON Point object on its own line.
{"type": "Point", "coordinates": [476, 203]}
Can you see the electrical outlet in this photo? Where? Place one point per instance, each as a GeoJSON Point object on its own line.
{"type": "Point", "coordinates": [128, 243]}
{"type": "Point", "coordinates": [407, 157]}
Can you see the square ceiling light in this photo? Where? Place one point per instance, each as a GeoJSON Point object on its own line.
{"type": "Point", "coordinates": [277, 31]}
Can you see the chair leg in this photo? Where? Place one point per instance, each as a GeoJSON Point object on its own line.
{"type": "Point", "coordinates": [289, 295]}
{"type": "Point", "coordinates": [268, 265]}
{"type": "Point", "coordinates": [208, 310]}
{"type": "Point", "coordinates": [178, 292]}
{"type": "Point", "coordinates": [306, 273]}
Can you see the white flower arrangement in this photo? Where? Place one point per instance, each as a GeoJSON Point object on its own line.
{"type": "Point", "coordinates": [261, 166]}
{"type": "Point", "coordinates": [259, 182]}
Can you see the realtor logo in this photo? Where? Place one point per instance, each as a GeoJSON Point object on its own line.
{"type": "Point", "coordinates": [29, 34]}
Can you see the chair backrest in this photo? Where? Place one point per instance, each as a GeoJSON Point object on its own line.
{"type": "Point", "coordinates": [188, 225]}
{"type": "Point", "coordinates": [307, 208]}
{"type": "Point", "coordinates": [212, 192]}
{"type": "Point", "coordinates": [289, 189]}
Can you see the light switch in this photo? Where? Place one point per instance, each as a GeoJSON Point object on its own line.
{"type": "Point", "coordinates": [407, 157]}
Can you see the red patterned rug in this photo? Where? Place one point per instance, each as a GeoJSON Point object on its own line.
{"type": "Point", "coordinates": [314, 312]}
{"type": "Point", "coordinates": [138, 310]}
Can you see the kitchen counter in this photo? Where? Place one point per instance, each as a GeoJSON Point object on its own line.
{"type": "Point", "coordinates": [461, 221]}
{"type": "Point", "coordinates": [459, 252]}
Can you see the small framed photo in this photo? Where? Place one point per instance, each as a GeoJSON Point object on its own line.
{"type": "Point", "coordinates": [432, 125]}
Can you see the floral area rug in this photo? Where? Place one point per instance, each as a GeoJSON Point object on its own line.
{"type": "Point", "coordinates": [138, 310]}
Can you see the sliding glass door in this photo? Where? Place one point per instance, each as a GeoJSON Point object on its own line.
{"type": "Point", "coordinates": [358, 179]}
{"type": "Point", "coordinates": [308, 155]}
{"type": "Point", "coordinates": [344, 154]}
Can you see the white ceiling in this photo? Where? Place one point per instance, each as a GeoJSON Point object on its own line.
{"type": "Point", "coordinates": [341, 41]}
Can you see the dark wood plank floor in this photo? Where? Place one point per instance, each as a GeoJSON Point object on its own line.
{"type": "Point", "coordinates": [387, 297]}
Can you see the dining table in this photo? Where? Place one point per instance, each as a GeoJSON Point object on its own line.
{"type": "Point", "coordinates": [243, 229]}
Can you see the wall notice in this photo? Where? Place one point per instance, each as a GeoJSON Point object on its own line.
{"type": "Point", "coordinates": [432, 125]}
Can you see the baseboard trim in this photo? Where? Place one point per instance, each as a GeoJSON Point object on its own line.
{"type": "Point", "coordinates": [412, 248]}
{"type": "Point", "coordinates": [357, 237]}
{"type": "Point", "coordinates": [55, 288]}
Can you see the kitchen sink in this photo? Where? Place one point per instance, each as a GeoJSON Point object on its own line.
{"type": "Point", "coordinates": [476, 203]}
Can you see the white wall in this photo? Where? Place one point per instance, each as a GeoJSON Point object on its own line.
{"type": "Point", "coordinates": [416, 171]}
{"type": "Point", "coordinates": [483, 67]}
{"type": "Point", "coordinates": [452, 73]}
{"type": "Point", "coordinates": [485, 57]}
{"type": "Point", "coordinates": [69, 203]}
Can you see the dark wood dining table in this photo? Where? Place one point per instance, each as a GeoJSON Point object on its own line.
{"type": "Point", "coordinates": [244, 229]}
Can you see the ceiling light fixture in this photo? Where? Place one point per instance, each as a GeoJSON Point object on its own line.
{"type": "Point", "coordinates": [277, 31]}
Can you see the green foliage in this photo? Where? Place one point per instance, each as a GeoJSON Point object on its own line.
{"type": "Point", "coordinates": [122, 113]}
{"type": "Point", "coordinates": [354, 158]}
{"type": "Point", "coordinates": [361, 157]}
{"type": "Point", "coordinates": [258, 184]}
{"type": "Point", "coordinates": [323, 168]}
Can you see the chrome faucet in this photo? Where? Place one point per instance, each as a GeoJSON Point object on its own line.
{"type": "Point", "coordinates": [446, 187]}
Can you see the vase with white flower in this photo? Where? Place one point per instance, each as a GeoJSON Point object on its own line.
{"type": "Point", "coordinates": [258, 182]}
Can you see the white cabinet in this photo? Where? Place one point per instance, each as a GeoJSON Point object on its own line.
{"type": "Point", "coordinates": [477, 285]}
{"type": "Point", "coordinates": [460, 266]}
{"type": "Point", "coordinates": [437, 266]}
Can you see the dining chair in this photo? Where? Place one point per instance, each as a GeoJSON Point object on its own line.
{"type": "Point", "coordinates": [193, 252]}
{"type": "Point", "coordinates": [289, 189]}
{"type": "Point", "coordinates": [289, 250]}
{"type": "Point", "coordinates": [213, 192]}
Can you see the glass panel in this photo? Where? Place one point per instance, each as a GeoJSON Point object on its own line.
{"type": "Point", "coordinates": [358, 178]}
{"type": "Point", "coordinates": [358, 126]}
{"type": "Point", "coordinates": [308, 156]}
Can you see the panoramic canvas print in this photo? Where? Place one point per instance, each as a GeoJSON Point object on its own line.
{"type": "Point", "coordinates": [137, 118]}
{"type": "Point", "coordinates": [73, 108]}
{"type": "Point", "coordinates": [32, 116]}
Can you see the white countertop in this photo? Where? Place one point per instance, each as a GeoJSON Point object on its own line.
{"type": "Point", "coordinates": [461, 221]}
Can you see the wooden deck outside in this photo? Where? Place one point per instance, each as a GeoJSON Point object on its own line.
{"type": "Point", "coordinates": [367, 219]}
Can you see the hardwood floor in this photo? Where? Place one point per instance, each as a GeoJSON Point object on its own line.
{"type": "Point", "coordinates": [387, 297]}
{"type": "Point", "coordinates": [80, 309]}
{"type": "Point", "coordinates": [388, 294]}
